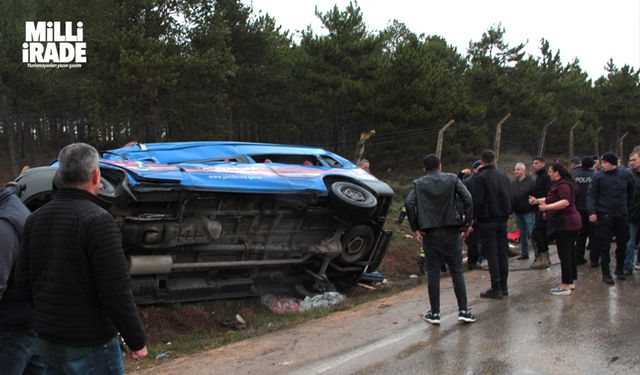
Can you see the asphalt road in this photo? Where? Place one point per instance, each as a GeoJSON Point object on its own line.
{"type": "Point", "coordinates": [596, 330]}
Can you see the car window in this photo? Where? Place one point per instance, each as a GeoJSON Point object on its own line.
{"type": "Point", "coordinates": [306, 160]}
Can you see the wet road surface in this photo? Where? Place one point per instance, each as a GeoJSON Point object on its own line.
{"type": "Point", "coordinates": [596, 330]}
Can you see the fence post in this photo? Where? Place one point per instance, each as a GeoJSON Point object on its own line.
{"type": "Point", "coordinates": [571, 139]}
{"type": "Point", "coordinates": [496, 142]}
{"type": "Point", "coordinates": [359, 152]}
{"type": "Point", "coordinates": [595, 141]}
{"type": "Point", "coordinates": [544, 136]}
{"type": "Point", "coordinates": [621, 147]}
{"type": "Point", "coordinates": [441, 137]}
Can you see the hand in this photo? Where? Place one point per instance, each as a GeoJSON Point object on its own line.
{"type": "Point", "coordinates": [593, 218]}
{"type": "Point", "coordinates": [543, 207]}
{"type": "Point", "coordinates": [465, 233]}
{"type": "Point", "coordinates": [532, 200]}
{"type": "Point", "coordinates": [138, 354]}
{"type": "Point", "coordinates": [419, 236]}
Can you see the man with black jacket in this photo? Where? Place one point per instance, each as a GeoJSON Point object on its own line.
{"type": "Point", "coordinates": [583, 177]}
{"type": "Point", "coordinates": [634, 211]}
{"type": "Point", "coordinates": [540, 190]}
{"type": "Point", "coordinates": [608, 199]}
{"type": "Point", "coordinates": [432, 213]}
{"type": "Point", "coordinates": [17, 334]}
{"type": "Point", "coordinates": [492, 206]}
{"type": "Point", "coordinates": [73, 268]}
{"type": "Point", "coordinates": [521, 188]}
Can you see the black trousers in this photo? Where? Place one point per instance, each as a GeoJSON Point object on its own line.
{"type": "Point", "coordinates": [586, 232]}
{"type": "Point", "coordinates": [494, 243]}
{"type": "Point", "coordinates": [472, 247]}
{"type": "Point", "coordinates": [539, 234]}
{"type": "Point", "coordinates": [567, 255]}
{"type": "Point", "coordinates": [444, 245]}
{"type": "Point", "coordinates": [608, 226]}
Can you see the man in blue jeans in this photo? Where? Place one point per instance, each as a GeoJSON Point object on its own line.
{"type": "Point", "coordinates": [521, 188]}
{"type": "Point", "coordinates": [634, 211]}
{"type": "Point", "coordinates": [432, 213]}
{"type": "Point", "coordinates": [73, 268]}
{"type": "Point", "coordinates": [17, 334]}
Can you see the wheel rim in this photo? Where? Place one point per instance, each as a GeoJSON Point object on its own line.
{"type": "Point", "coordinates": [354, 194]}
{"type": "Point", "coordinates": [355, 246]}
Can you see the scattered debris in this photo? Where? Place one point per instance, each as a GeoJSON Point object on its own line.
{"type": "Point", "coordinates": [281, 305]}
{"type": "Point", "coordinates": [285, 305]}
{"type": "Point", "coordinates": [366, 286]}
{"type": "Point", "coordinates": [233, 325]}
{"type": "Point", "coordinates": [163, 355]}
{"type": "Point", "coordinates": [240, 319]}
{"type": "Point", "coordinates": [321, 300]}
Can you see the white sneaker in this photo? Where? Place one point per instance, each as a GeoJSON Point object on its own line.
{"type": "Point", "coordinates": [637, 266]}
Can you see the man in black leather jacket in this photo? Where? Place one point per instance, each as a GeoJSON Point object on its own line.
{"type": "Point", "coordinates": [432, 213]}
{"type": "Point", "coordinates": [491, 194]}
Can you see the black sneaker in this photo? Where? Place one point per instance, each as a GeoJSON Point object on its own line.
{"type": "Point", "coordinates": [466, 316]}
{"type": "Point", "coordinates": [581, 261]}
{"type": "Point", "coordinates": [505, 291]}
{"type": "Point", "coordinates": [433, 318]}
{"type": "Point", "coordinates": [620, 274]}
{"type": "Point", "coordinates": [628, 272]}
{"type": "Point", "coordinates": [493, 294]}
{"type": "Point", "coordinates": [521, 257]}
{"type": "Point", "coordinates": [608, 279]}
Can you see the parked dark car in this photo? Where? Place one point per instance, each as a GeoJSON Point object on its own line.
{"type": "Point", "coordinates": [209, 220]}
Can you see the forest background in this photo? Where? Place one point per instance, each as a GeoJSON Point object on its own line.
{"type": "Point", "coordinates": [180, 70]}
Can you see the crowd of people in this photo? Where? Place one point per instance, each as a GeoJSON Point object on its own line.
{"type": "Point", "coordinates": [584, 206]}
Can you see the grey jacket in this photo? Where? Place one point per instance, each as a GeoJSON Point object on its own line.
{"type": "Point", "coordinates": [431, 203]}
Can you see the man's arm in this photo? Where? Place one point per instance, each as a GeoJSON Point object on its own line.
{"type": "Point", "coordinates": [411, 203]}
{"type": "Point", "coordinates": [477, 190]}
{"type": "Point", "coordinates": [21, 276]}
{"type": "Point", "coordinates": [8, 250]}
{"type": "Point", "coordinates": [593, 194]}
{"type": "Point", "coordinates": [109, 270]}
{"type": "Point", "coordinates": [631, 183]}
{"type": "Point", "coordinates": [464, 194]}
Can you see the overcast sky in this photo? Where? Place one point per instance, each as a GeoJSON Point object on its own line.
{"type": "Point", "coordinates": [591, 30]}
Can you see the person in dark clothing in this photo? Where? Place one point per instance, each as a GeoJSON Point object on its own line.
{"type": "Point", "coordinates": [73, 269]}
{"type": "Point", "coordinates": [17, 334]}
{"type": "Point", "coordinates": [608, 199]}
{"type": "Point", "coordinates": [582, 178]}
{"type": "Point", "coordinates": [432, 213]}
{"type": "Point", "coordinates": [491, 194]}
{"type": "Point", "coordinates": [473, 244]}
{"type": "Point", "coordinates": [541, 190]}
{"type": "Point", "coordinates": [521, 188]}
{"type": "Point", "coordinates": [563, 222]}
{"type": "Point", "coordinates": [634, 211]}
{"type": "Point", "coordinates": [576, 164]}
